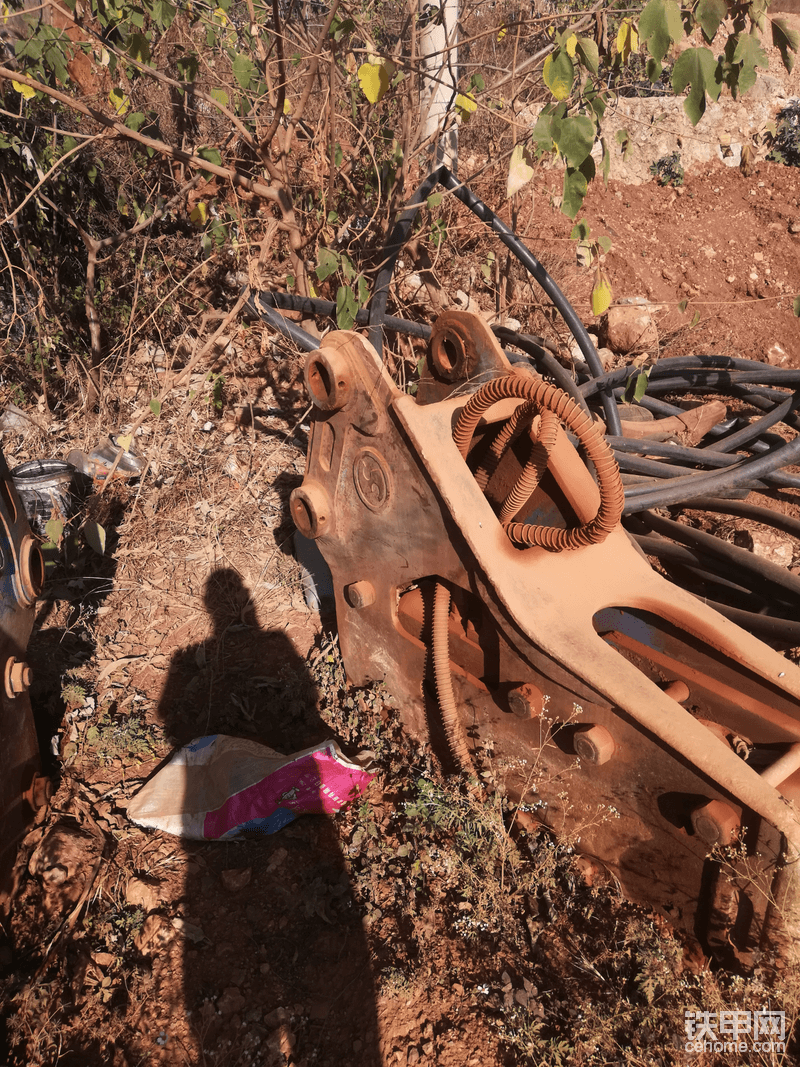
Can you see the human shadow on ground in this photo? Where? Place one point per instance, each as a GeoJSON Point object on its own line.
{"type": "Point", "coordinates": [284, 966]}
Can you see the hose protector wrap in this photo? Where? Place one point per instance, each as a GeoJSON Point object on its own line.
{"type": "Point", "coordinates": [550, 398]}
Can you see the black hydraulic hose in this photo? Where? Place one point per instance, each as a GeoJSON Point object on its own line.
{"type": "Point", "coordinates": [400, 234]}
{"type": "Point", "coordinates": [782, 633]}
{"type": "Point", "coordinates": [776, 578]}
{"type": "Point", "coordinates": [637, 464]}
{"type": "Point", "coordinates": [750, 433]}
{"type": "Point", "coordinates": [714, 571]}
{"type": "Point", "coordinates": [670, 375]}
{"type": "Point", "coordinates": [745, 510]}
{"type": "Point", "coordinates": [307, 305]}
{"type": "Point", "coordinates": [300, 337]}
{"type": "Point", "coordinates": [546, 363]}
{"type": "Point", "coordinates": [537, 271]}
{"type": "Point", "coordinates": [677, 490]}
{"type": "Point", "coordinates": [624, 447]}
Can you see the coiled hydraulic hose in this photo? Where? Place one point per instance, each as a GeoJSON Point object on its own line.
{"type": "Point", "coordinates": [550, 398]}
{"type": "Point", "coordinates": [440, 642]}
{"type": "Point", "coordinates": [543, 441]}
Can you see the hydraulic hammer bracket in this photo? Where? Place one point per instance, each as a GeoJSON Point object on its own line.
{"type": "Point", "coordinates": [656, 733]}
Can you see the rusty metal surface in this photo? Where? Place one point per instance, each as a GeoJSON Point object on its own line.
{"type": "Point", "coordinates": [21, 577]}
{"type": "Point", "coordinates": [638, 723]}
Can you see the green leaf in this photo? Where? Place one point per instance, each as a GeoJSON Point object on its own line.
{"type": "Point", "coordinates": [601, 293]}
{"type": "Point", "coordinates": [363, 290]}
{"type": "Point", "coordinates": [587, 52]}
{"type": "Point", "coordinates": [139, 47]}
{"type": "Point", "coordinates": [135, 120]}
{"type": "Point", "coordinates": [326, 265]}
{"type": "Point", "coordinates": [796, 307]}
{"type": "Point", "coordinates": [580, 231]}
{"type": "Point", "coordinates": [695, 320]}
{"type": "Point", "coordinates": [210, 155]}
{"type": "Point", "coordinates": [346, 307]}
{"type": "Point", "coordinates": [520, 171]}
{"type": "Point", "coordinates": [757, 13]}
{"type": "Point", "coordinates": [244, 71]}
{"type": "Point", "coordinates": [221, 97]}
{"type": "Point", "coordinates": [683, 306]}
{"type": "Point", "coordinates": [95, 535]}
{"type": "Point", "coordinates": [636, 385]}
{"type": "Point", "coordinates": [749, 54]}
{"type": "Point", "coordinates": [604, 243]}
{"type": "Point", "coordinates": [559, 74]}
{"type": "Point", "coordinates": [710, 13]}
{"type": "Point", "coordinates": [54, 531]}
{"type": "Point", "coordinates": [542, 132]}
{"type": "Point", "coordinates": [576, 183]}
{"type": "Point", "coordinates": [155, 406]}
{"type": "Point", "coordinates": [574, 137]}
{"type": "Point", "coordinates": [786, 40]}
{"type": "Point", "coordinates": [188, 67]}
{"type": "Point", "coordinates": [348, 270]}
{"type": "Point", "coordinates": [696, 67]}
{"type": "Point", "coordinates": [659, 27]}
{"type": "Point", "coordinates": [434, 200]}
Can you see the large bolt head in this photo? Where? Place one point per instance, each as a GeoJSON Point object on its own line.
{"type": "Point", "coordinates": [360, 594]}
{"type": "Point", "coordinates": [526, 701]}
{"type": "Point", "coordinates": [17, 677]}
{"type": "Point", "coordinates": [716, 823]}
{"type": "Point", "coordinates": [594, 744]}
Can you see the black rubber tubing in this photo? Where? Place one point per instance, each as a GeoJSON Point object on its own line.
{"type": "Point", "coordinates": [537, 271]}
{"type": "Point", "coordinates": [625, 448]}
{"type": "Point", "coordinates": [777, 578]}
{"type": "Point", "coordinates": [740, 438]}
{"type": "Point", "coordinates": [714, 571]}
{"type": "Point", "coordinates": [545, 363]}
{"type": "Point", "coordinates": [682, 489]}
{"type": "Point", "coordinates": [307, 305]}
{"type": "Point", "coordinates": [755, 512]}
{"type": "Point", "coordinates": [400, 234]}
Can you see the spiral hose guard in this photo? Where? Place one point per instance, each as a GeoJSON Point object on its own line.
{"type": "Point", "coordinates": [550, 398]}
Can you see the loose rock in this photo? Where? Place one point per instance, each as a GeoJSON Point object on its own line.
{"type": "Point", "coordinates": [236, 878]}
{"type": "Point", "coordinates": [768, 544]}
{"type": "Point", "coordinates": [629, 328]}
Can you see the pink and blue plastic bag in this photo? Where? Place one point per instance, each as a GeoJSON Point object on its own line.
{"type": "Point", "coordinates": [219, 787]}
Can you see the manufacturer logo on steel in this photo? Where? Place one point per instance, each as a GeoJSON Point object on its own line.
{"type": "Point", "coordinates": [371, 478]}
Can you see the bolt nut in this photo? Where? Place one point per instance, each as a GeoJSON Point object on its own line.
{"type": "Point", "coordinates": [40, 792]}
{"type": "Point", "coordinates": [360, 594]}
{"type": "Point", "coordinates": [312, 509]}
{"type": "Point", "coordinates": [17, 677]}
{"type": "Point", "coordinates": [678, 691]}
{"type": "Point", "coordinates": [594, 744]}
{"type": "Point", "coordinates": [526, 701]}
{"type": "Point", "coordinates": [716, 823]}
